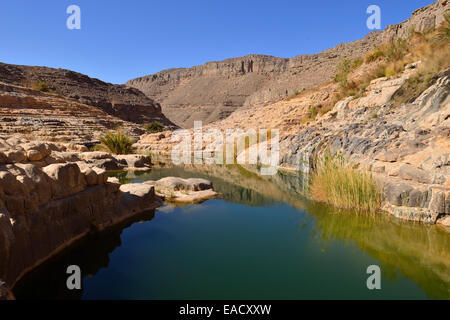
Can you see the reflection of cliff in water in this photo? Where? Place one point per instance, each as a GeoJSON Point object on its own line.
{"type": "Point", "coordinates": [421, 252]}
{"type": "Point", "coordinates": [418, 251]}
{"type": "Point", "coordinates": [235, 183]}
{"type": "Point", "coordinates": [91, 255]}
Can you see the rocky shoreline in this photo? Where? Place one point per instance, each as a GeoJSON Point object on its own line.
{"type": "Point", "coordinates": [53, 194]}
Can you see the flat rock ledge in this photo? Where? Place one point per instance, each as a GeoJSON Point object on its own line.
{"type": "Point", "coordinates": [183, 191]}
{"type": "Point", "coordinates": [46, 208]}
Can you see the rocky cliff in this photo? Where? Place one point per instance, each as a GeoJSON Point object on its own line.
{"type": "Point", "coordinates": [214, 90]}
{"type": "Point", "coordinates": [126, 103]}
{"type": "Point", "coordinates": [52, 117]}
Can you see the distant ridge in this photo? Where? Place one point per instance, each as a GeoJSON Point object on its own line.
{"type": "Point", "coordinates": [214, 90]}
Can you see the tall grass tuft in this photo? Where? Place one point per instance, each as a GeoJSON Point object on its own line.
{"type": "Point", "coordinates": [117, 142]}
{"type": "Point", "coordinates": [41, 86]}
{"type": "Point", "coordinates": [337, 183]}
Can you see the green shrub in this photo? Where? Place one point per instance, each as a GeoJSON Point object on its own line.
{"type": "Point", "coordinates": [41, 86]}
{"type": "Point", "coordinates": [344, 69]}
{"type": "Point", "coordinates": [154, 127]}
{"type": "Point", "coordinates": [374, 56]}
{"type": "Point", "coordinates": [397, 50]}
{"type": "Point", "coordinates": [117, 142]}
{"type": "Point", "coordinates": [337, 183]}
{"type": "Point", "coordinates": [312, 114]}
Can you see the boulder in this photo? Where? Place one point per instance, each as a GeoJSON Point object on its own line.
{"type": "Point", "coordinates": [177, 184]}
{"type": "Point", "coordinates": [96, 155]}
{"type": "Point", "coordinates": [440, 201]}
{"type": "Point", "coordinates": [36, 151]}
{"type": "Point", "coordinates": [387, 156]}
{"type": "Point", "coordinates": [397, 193]}
{"type": "Point", "coordinates": [10, 185]}
{"type": "Point", "coordinates": [192, 197]}
{"type": "Point", "coordinates": [66, 179]}
{"type": "Point", "coordinates": [91, 176]}
{"type": "Point", "coordinates": [197, 184]}
{"type": "Point", "coordinates": [113, 184]}
{"type": "Point", "coordinates": [76, 147]}
{"type": "Point", "coordinates": [102, 177]}
{"type": "Point", "coordinates": [180, 190]}
{"type": "Point", "coordinates": [138, 196]}
{"type": "Point", "coordinates": [134, 160]}
{"type": "Point", "coordinates": [408, 172]}
{"type": "Point", "coordinates": [62, 156]}
{"type": "Point", "coordinates": [37, 181]}
{"type": "Point", "coordinates": [14, 156]}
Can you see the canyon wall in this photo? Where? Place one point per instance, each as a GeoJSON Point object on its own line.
{"type": "Point", "coordinates": [126, 103]}
{"type": "Point", "coordinates": [214, 90]}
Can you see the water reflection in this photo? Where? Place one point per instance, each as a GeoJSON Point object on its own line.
{"type": "Point", "coordinates": [419, 252]}
{"type": "Point", "coordinates": [91, 255]}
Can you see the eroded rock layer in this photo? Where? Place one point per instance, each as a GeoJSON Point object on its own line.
{"type": "Point", "coordinates": [53, 194]}
{"type": "Point", "coordinates": [128, 104]}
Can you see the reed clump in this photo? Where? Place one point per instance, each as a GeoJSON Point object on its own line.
{"type": "Point", "coordinates": [117, 142]}
{"type": "Point", "coordinates": [337, 183]}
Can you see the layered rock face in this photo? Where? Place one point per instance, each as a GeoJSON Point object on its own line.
{"type": "Point", "coordinates": [407, 148]}
{"type": "Point", "coordinates": [51, 117]}
{"type": "Point", "coordinates": [52, 195]}
{"type": "Point", "coordinates": [421, 20]}
{"type": "Point", "coordinates": [116, 100]}
{"type": "Point", "coordinates": [212, 91]}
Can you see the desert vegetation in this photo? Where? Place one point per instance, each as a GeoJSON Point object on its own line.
{"type": "Point", "coordinates": [116, 142]}
{"type": "Point", "coordinates": [337, 183]}
{"type": "Point", "coordinates": [41, 86]}
{"type": "Point", "coordinates": [389, 60]}
{"type": "Point", "coordinates": [154, 127]}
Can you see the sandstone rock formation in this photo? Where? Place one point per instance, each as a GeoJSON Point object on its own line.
{"type": "Point", "coordinates": [52, 195]}
{"type": "Point", "coordinates": [214, 90]}
{"type": "Point", "coordinates": [51, 117]}
{"type": "Point", "coordinates": [178, 190]}
{"type": "Point", "coordinates": [119, 101]}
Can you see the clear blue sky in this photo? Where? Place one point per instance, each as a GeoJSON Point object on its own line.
{"type": "Point", "coordinates": [120, 40]}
